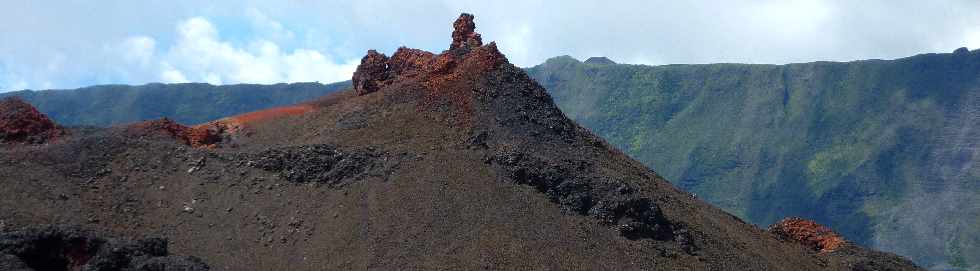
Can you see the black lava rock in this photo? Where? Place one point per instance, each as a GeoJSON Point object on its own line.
{"type": "Point", "coordinates": [69, 248]}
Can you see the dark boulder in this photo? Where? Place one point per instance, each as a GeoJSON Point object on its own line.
{"type": "Point", "coordinates": [371, 74]}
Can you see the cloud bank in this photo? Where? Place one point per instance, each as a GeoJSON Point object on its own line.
{"type": "Point", "coordinates": [200, 55]}
{"type": "Point", "coordinates": [73, 43]}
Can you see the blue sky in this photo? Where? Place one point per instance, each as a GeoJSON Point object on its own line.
{"type": "Point", "coordinates": [73, 43]}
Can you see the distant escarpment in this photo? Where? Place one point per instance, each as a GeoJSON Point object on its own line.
{"type": "Point", "coordinates": [187, 103]}
{"type": "Point", "coordinates": [885, 152]}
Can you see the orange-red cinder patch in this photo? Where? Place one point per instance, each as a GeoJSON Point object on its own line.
{"type": "Point", "coordinates": [808, 233]}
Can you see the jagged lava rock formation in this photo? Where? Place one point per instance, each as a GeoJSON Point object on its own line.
{"type": "Point", "coordinates": [466, 55]}
{"type": "Point", "coordinates": [456, 160]}
{"type": "Point", "coordinates": [73, 249]}
{"type": "Point", "coordinates": [22, 123]}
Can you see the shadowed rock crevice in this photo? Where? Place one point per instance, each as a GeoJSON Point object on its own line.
{"type": "Point", "coordinates": [72, 249]}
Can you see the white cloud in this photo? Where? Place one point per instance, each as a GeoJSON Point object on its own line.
{"type": "Point", "coordinates": [199, 54]}
{"type": "Point", "coordinates": [309, 65]}
{"type": "Point", "coordinates": [10, 82]}
{"type": "Point", "coordinates": [138, 50]}
{"type": "Point", "coordinates": [269, 28]}
{"type": "Point", "coordinates": [973, 39]}
{"type": "Point", "coordinates": [516, 45]}
{"type": "Point", "coordinates": [171, 75]}
{"type": "Point", "coordinates": [16, 85]}
{"type": "Point", "coordinates": [55, 63]}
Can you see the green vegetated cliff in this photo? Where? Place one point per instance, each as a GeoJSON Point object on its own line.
{"type": "Point", "coordinates": [885, 152]}
{"type": "Point", "coordinates": [190, 103]}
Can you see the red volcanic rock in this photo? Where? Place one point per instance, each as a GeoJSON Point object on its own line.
{"type": "Point", "coordinates": [371, 74]}
{"type": "Point", "coordinates": [445, 77]}
{"type": "Point", "coordinates": [483, 58]}
{"type": "Point", "coordinates": [466, 55]}
{"type": "Point", "coordinates": [202, 136]}
{"type": "Point", "coordinates": [22, 123]}
{"type": "Point", "coordinates": [464, 34]}
{"type": "Point", "coordinates": [808, 233]}
{"type": "Point", "coordinates": [236, 124]}
{"type": "Point", "coordinates": [205, 136]}
{"type": "Point", "coordinates": [410, 62]}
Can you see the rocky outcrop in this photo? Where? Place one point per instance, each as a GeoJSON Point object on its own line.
{"type": "Point", "coordinates": [810, 234]}
{"type": "Point", "coordinates": [22, 123]}
{"type": "Point", "coordinates": [466, 55]}
{"type": "Point", "coordinates": [411, 62]}
{"type": "Point", "coordinates": [372, 73]}
{"type": "Point", "coordinates": [831, 246]}
{"type": "Point", "coordinates": [464, 33]}
{"type": "Point", "coordinates": [323, 164]}
{"type": "Point", "coordinates": [200, 136]}
{"type": "Point", "coordinates": [613, 203]}
{"type": "Point", "coordinates": [66, 248]}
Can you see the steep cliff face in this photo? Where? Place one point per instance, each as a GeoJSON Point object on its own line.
{"type": "Point", "coordinates": [188, 104]}
{"type": "Point", "coordinates": [456, 160]}
{"type": "Point", "coordinates": [883, 152]}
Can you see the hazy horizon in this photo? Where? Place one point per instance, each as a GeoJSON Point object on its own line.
{"type": "Point", "coordinates": [70, 44]}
